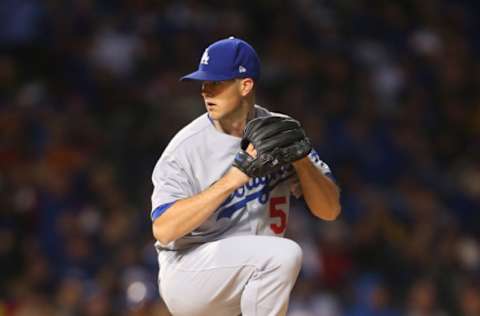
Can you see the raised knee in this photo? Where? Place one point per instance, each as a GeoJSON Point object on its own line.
{"type": "Point", "coordinates": [296, 255]}
{"type": "Point", "coordinates": [290, 257]}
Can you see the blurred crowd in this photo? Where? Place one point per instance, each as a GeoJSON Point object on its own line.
{"type": "Point", "coordinates": [389, 92]}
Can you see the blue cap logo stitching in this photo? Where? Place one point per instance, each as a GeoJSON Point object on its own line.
{"type": "Point", "coordinates": [205, 58]}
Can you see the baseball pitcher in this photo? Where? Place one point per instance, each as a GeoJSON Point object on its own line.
{"type": "Point", "coordinates": [222, 188]}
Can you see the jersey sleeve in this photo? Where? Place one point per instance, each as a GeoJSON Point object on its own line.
{"type": "Point", "coordinates": [170, 183]}
{"type": "Point", "coordinates": [323, 167]}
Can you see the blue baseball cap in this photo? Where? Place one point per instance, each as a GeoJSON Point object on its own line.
{"type": "Point", "coordinates": [227, 59]}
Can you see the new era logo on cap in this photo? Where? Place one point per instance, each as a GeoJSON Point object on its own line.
{"type": "Point", "coordinates": [227, 59]}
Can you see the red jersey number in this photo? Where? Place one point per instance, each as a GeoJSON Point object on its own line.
{"type": "Point", "coordinates": [275, 211]}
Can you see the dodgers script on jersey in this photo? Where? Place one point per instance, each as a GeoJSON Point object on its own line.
{"type": "Point", "coordinates": [197, 157]}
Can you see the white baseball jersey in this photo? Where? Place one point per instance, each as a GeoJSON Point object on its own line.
{"type": "Point", "coordinates": [199, 155]}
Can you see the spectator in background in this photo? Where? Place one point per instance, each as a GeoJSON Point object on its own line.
{"type": "Point", "coordinates": [469, 300]}
{"type": "Point", "coordinates": [422, 300]}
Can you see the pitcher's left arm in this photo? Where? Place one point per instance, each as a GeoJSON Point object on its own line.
{"type": "Point", "coordinates": [320, 192]}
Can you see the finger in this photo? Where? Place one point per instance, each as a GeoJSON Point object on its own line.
{"type": "Point", "coordinates": [251, 151]}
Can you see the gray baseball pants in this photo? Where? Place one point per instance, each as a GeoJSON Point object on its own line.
{"type": "Point", "coordinates": [248, 275]}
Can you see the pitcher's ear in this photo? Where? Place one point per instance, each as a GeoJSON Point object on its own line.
{"type": "Point", "coordinates": [246, 86]}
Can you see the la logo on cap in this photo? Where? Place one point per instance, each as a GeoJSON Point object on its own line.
{"type": "Point", "coordinates": [205, 58]}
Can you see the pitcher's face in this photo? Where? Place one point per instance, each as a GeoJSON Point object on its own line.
{"type": "Point", "coordinates": [221, 97]}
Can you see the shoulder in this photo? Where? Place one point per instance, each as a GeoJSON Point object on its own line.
{"type": "Point", "coordinates": [175, 155]}
{"type": "Point", "coordinates": [188, 134]}
{"type": "Point", "coordinates": [264, 112]}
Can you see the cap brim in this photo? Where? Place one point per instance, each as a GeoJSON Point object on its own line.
{"type": "Point", "coordinates": [204, 76]}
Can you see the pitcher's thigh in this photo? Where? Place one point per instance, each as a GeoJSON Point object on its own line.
{"type": "Point", "coordinates": [215, 291]}
{"type": "Point", "coordinates": [210, 279]}
{"type": "Point", "coordinates": [260, 251]}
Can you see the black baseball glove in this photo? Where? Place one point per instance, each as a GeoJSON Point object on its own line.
{"type": "Point", "coordinates": [278, 140]}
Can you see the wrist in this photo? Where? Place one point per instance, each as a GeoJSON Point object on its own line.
{"type": "Point", "coordinates": [301, 163]}
{"type": "Point", "coordinates": [235, 178]}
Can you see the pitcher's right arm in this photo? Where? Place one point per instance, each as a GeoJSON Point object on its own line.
{"type": "Point", "coordinates": [185, 215]}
